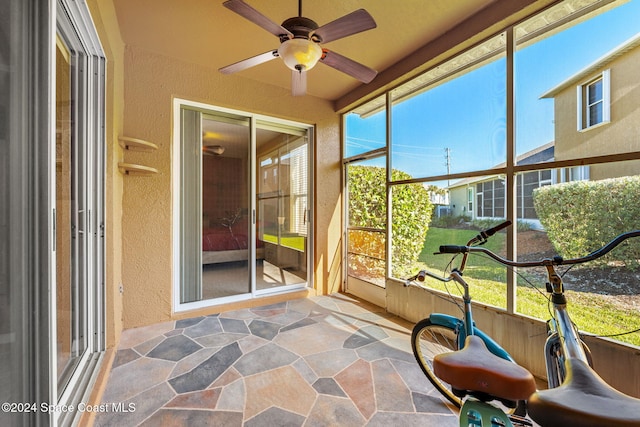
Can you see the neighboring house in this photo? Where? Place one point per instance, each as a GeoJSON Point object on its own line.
{"type": "Point", "coordinates": [439, 198]}
{"type": "Point", "coordinates": [596, 113]}
{"type": "Point", "coordinates": [484, 197]}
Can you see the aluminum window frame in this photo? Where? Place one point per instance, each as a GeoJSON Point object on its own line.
{"type": "Point", "coordinates": [511, 168]}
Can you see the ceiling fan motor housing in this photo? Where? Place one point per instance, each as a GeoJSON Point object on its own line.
{"type": "Point", "coordinates": [300, 27]}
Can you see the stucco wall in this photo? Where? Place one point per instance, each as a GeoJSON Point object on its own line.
{"type": "Point", "coordinates": [151, 82]}
{"type": "Point", "coordinates": [618, 136]}
{"type": "Point", "coordinates": [458, 201]}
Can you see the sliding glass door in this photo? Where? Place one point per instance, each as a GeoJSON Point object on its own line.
{"type": "Point", "coordinates": [283, 206]}
{"type": "Point", "coordinates": [243, 202]}
{"type": "Point", "coordinates": [79, 193]}
{"type": "Point", "coordinates": [24, 190]}
{"type": "Point", "coordinates": [52, 192]}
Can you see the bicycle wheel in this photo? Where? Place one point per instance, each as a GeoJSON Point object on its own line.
{"type": "Point", "coordinates": [429, 340]}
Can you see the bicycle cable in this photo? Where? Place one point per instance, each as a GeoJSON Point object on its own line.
{"type": "Point", "coordinates": [617, 335]}
{"type": "Point", "coordinates": [567, 270]}
{"type": "Point", "coordinates": [451, 298]}
{"type": "Point", "coordinates": [446, 285]}
{"type": "Point", "coordinates": [519, 274]}
{"type": "Point", "coordinates": [528, 282]}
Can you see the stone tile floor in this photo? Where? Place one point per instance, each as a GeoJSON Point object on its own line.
{"type": "Point", "coordinates": [321, 361]}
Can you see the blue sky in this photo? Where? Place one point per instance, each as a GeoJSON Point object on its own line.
{"type": "Point", "coordinates": [467, 115]}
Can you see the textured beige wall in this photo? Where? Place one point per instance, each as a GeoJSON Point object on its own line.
{"type": "Point", "coordinates": [151, 82]}
{"type": "Point", "coordinates": [617, 137]}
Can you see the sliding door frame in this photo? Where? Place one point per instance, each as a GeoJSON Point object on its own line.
{"type": "Point", "coordinates": [75, 28]}
{"type": "Point", "coordinates": [178, 239]}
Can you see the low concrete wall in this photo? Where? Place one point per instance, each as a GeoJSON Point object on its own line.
{"type": "Point", "coordinates": [523, 337]}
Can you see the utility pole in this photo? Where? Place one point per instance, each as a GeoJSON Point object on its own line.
{"type": "Point", "coordinates": [447, 161]}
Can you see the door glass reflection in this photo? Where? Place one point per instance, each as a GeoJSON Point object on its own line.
{"type": "Point", "coordinates": [226, 223]}
{"type": "Point", "coordinates": [282, 203]}
{"type": "Point", "coordinates": [70, 239]}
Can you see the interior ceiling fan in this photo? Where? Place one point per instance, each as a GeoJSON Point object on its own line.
{"type": "Point", "coordinates": [300, 44]}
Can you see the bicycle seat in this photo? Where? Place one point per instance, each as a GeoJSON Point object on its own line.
{"type": "Point", "coordinates": [478, 371]}
{"type": "Point", "coordinates": [583, 399]}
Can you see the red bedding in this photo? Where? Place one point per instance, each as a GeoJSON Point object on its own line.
{"type": "Point", "coordinates": [220, 238]}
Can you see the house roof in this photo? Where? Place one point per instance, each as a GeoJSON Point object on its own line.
{"type": "Point", "coordinates": [543, 153]}
{"type": "Point", "coordinates": [595, 66]}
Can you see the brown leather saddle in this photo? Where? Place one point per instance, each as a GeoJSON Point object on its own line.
{"type": "Point", "coordinates": [478, 372]}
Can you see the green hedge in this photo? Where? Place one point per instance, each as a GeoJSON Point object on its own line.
{"type": "Point", "coordinates": [411, 210]}
{"type": "Point", "coordinates": [582, 216]}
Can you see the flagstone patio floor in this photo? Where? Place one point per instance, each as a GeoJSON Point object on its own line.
{"type": "Point", "coordinates": [321, 361]}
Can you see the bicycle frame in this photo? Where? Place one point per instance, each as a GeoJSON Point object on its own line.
{"type": "Point", "coordinates": [458, 325]}
{"type": "Point", "coordinates": [564, 340]}
{"type": "Point", "coordinates": [467, 326]}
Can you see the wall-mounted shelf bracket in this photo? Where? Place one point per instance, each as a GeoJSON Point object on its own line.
{"type": "Point", "coordinates": [134, 144]}
{"type": "Point", "coordinates": [133, 169]}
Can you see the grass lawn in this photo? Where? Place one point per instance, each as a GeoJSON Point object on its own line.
{"type": "Point", "coordinates": [592, 312]}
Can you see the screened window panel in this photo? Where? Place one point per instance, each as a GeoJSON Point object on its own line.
{"type": "Point", "coordinates": [366, 128]}
{"type": "Point", "coordinates": [446, 121]}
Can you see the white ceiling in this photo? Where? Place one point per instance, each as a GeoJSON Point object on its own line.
{"type": "Point", "coordinates": [206, 33]}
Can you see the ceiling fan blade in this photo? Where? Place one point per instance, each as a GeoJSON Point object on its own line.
{"type": "Point", "coordinates": [248, 12]}
{"type": "Point", "coordinates": [352, 23]}
{"type": "Point", "coordinates": [348, 66]}
{"type": "Point", "coordinates": [249, 62]}
{"type": "Point", "coordinates": [298, 83]}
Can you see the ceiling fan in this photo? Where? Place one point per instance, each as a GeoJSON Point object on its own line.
{"type": "Point", "coordinates": [300, 44]}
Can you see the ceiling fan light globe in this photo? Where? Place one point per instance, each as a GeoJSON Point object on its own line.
{"type": "Point", "coordinates": [300, 54]}
{"type": "Point", "coordinates": [214, 149]}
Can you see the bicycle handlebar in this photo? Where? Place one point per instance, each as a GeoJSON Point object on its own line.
{"type": "Point", "coordinates": [453, 249]}
{"type": "Point", "coordinates": [482, 237]}
{"type": "Point", "coordinates": [491, 231]}
{"type": "Point", "coordinates": [422, 274]}
{"type": "Point", "coordinates": [557, 260]}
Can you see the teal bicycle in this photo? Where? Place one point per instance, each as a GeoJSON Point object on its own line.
{"type": "Point", "coordinates": [475, 374]}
